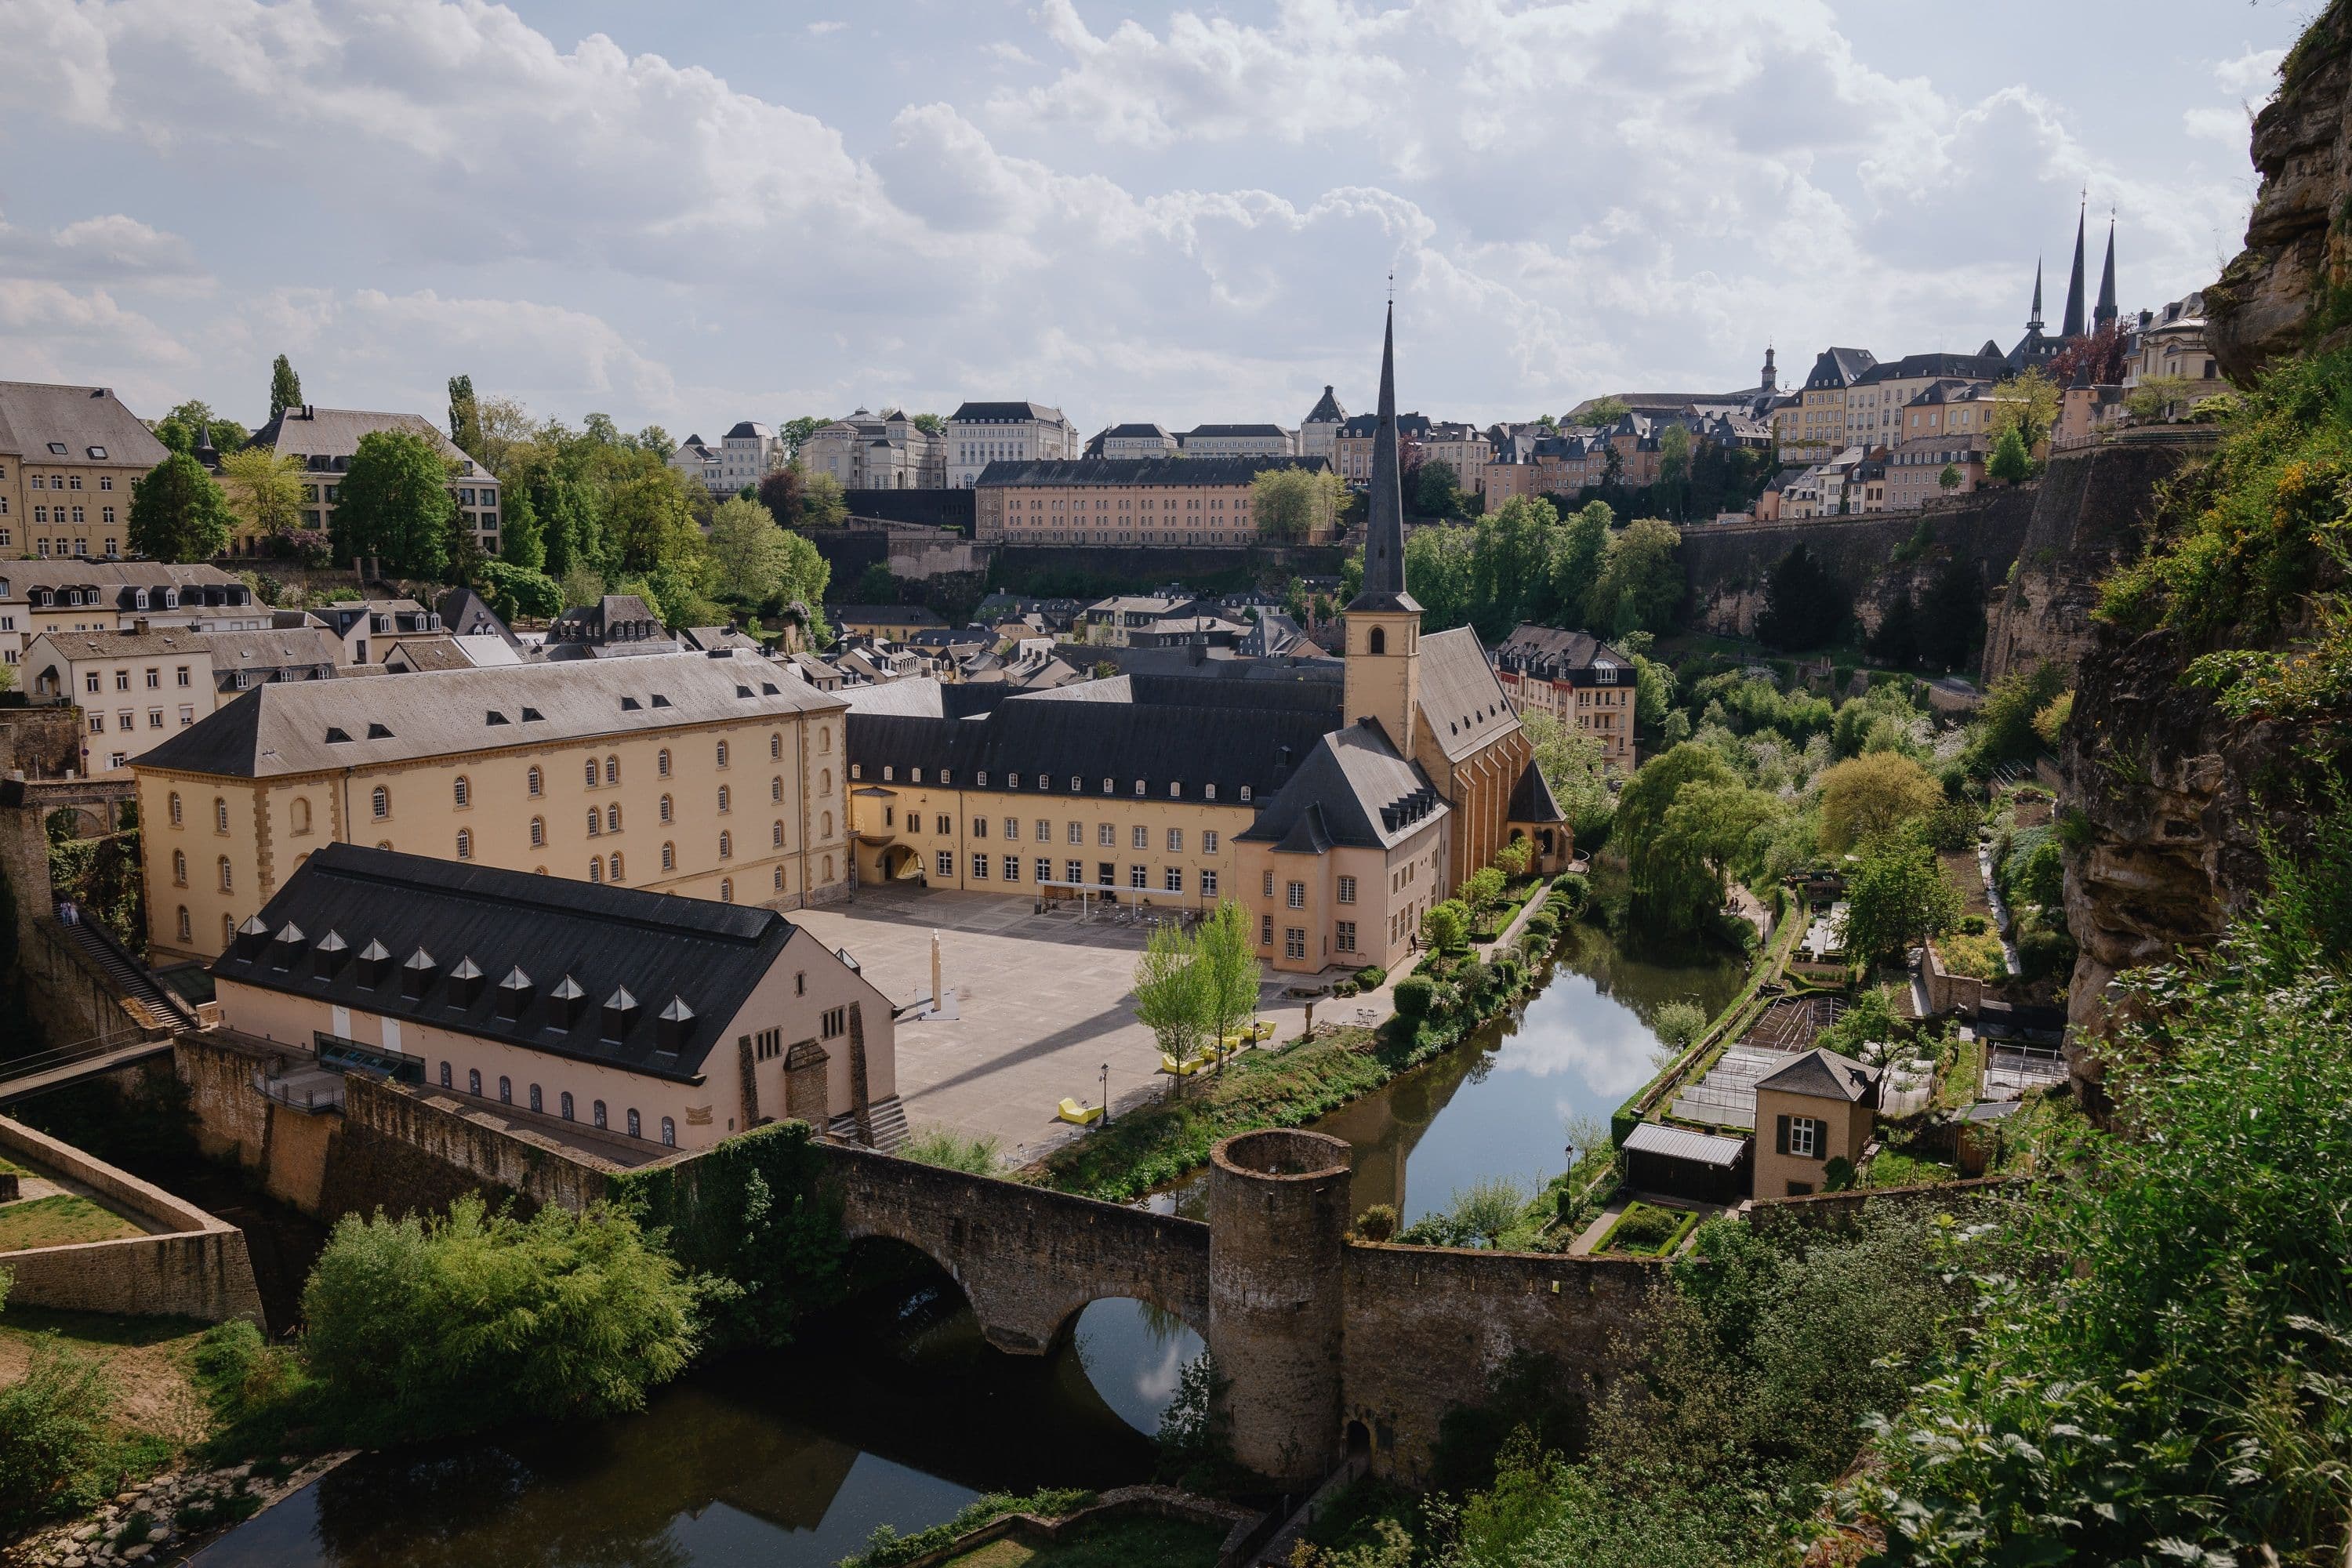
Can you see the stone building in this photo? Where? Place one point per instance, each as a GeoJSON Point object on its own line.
{"type": "Point", "coordinates": [709, 775]}
{"type": "Point", "coordinates": [676, 1021]}
{"type": "Point", "coordinates": [1577, 678]}
{"type": "Point", "coordinates": [1238, 441]}
{"type": "Point", "coordinates": [1320, 428]}
{"type": "Point", "coordinates": [326, 439]}
{"type": "Point", "coordinates": [980, 434]}
{"type": "Point", "coordinates": [1132, 440]}
{"type": "Point", "coordinates": [80, 594]}
{"type": "Point", "coordinates": [1196, 503]}
{"type": "Point", "coordinates": [68, 456]}
{"type": "Point", "coordinates": [887, 451]}
{"type": "Point", "coordinates": [140, 687]}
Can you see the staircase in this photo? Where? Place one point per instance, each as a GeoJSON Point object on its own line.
{"type": "Point", "coordinates": [887, 1120]}
{"type": "Point", "coordinates": [129, 978]}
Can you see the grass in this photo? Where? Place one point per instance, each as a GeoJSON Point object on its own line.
{"type": "Point", "coordinates": [939, 1146]}
{"type": "Point", "coordinates": [1891, 1169]}
{"type": "Point", "coordinates": [146, 1411]}
{"type": "Point", "coordinates": [61, 1220]}
{"type": "Point", "coordinates": [1979, 957]}
{"type": "Point", "coordinates": [1958, 1089]}
{"type": "Point", "coordinates": [1648, 1230]}
{"type": "Point", "coordinates": [1138, 1542]}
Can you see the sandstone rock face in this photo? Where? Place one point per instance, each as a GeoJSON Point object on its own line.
{"type": "Point", "coordinates": [2299, 237]}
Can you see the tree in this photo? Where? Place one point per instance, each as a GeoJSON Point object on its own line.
{"type": "Point", "coordinates": [2011, 462]}
{"type": "Point", "coordinates": [2027, 404]}
{"type": "Point", "coordinates": [1897, 899]}
{"type": "Point", "coordinates": [178, 513]}
{"type": "Point", "coordinates": [395, 505]}
{"type": "Point", "coordinates": [780, 492]}
{"type": "Point", "coordinates": [1172, 996]}
{"type": "Point", "coordinates": [649, 522]}
{"type": "Point", "coordinates": [1435, 491]}
{"type": "Point", "coordinates": [517, 591]}
{"type": "Point", "coordinates": [822, 502]}
{"type": "Point", "coordinates": [931, 424]}
{"type": "Point", "coordinates": [1641, 582]}
{"type": "Point", "coordinates": [179, 429]}
{"type": "Point", "coordinates": [1511, 555]}
{"type": "Point", "coordinates": [1482, 889]}
{"type": "Point", "coordinates": [1805, 606]}
{"type": "Point", "coordinates": [1951, 479]}
{"type": "Point", "coordinates": [796, 432]}
{"type": "Point", "coordinates": [1579, 546]}
{"type": "Point", "coordinates": [1895, 639]}
{"type": "Point", "coordinates": [2050, 720]}
{"type": "Point", "coordinates": [2097, 356]}
{"type": "Point", "coordinates": [264, 490]}
{"type": "Point", "coordinates": [1672, 489]}
{"type": "Point", "coordinates": [1951, 617]}
{"type": "Point", "coordinates": [1225, 949]}
{"type": "Point", "coordinates": [1603, 411]}
{"type": "Point", "coordinates": [2158, 396]}
{"type": "Point", "coordinates": [582, 585]}
{"type": "Point", "coordinates": [652, 439]}
{"type": "Point", "coordinates": [2004, 725]}
{"type": "Point", "coordinates": [1292, 505]}
{"type": "Point", "coordinates": [520, 543]}
{"type": "Point", "coordinates": [1674, 890]}
{"type": "Point", "coordinates": [285, 386]}
{"type": "Point", "coordinates": [747, 552]}
{"type": "Point", "coordinates": [805, 576]}
{"type": "Point", "coordinates": [466, 419]}
{"type": "Point", "coordinates": [1445, 926]}
{"type": "Point", "coordinates": [1437, 564]}
{"type": "Point", "coordinates": [1714, 820]}
{"type": "Point", "coordinates": [1872, 795]}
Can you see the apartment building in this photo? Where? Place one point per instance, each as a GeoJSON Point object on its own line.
{"type": "Point", "coordinates": [1814, 425]}
{"type": "Point", "coordinates": [1158, 503]}
{"type": "Point", "coordinates": [643, 1021]}
{"type": "Point", "coordinates": [1577, 678]}
{"type": "Point", "coordinates": [1352, 444]}
{"type": "Point", "coordinates": [709, 775]}
{"type": "Point", "coordinates": [1237, 441]}
{"type": "Point", "coordinates": [1462, 447]}
{"type": "Point", "coordinates": [1878, 403]}
{"type": "Point", "coordinates": [1320, 428]}
{"type": "Point", "coordinates": [1915, 470]}
{"type": "Point", "coordinates": [1121, 441]}
{"type": "Point", "coordinates": [326, 439]}
{"type": "Point", "coordinates": [698, 460]}
{"type": "Point", "coordinates": [67, 457]}
{"type": "Point", "coordinates": [886, 451]}
{"type": "Point", "coordinates": [980, 434]}
{"type": "Point", "coordinates": [138, 687]}
{"type": "Point", "coordinates": [80, 594]}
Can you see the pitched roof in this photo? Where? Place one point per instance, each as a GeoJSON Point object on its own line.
{"type": "Point", "coordinates": [306, 430]}
{"type": "Point", "coordinates": [1823, 1074]}
{"type": "Point", "coordinates": [1531, 797]}
{"type": "Point", "coordinates": [116, 582]}
{"type": "Point", "coordinates": [90, 421]}
{"type": "Point", "coordinates": [277, 730]}
{"type": "Point", "coordinates": [1553, 652]}
{"type": "Point", "coordinates": [1208, 430]}
{"type": "Point", "coordinates": [466, 614]}
{"type": "Point", "coordinates": [1838, 368]}
{"type": "Point", "coordinates": [1352, 788]}
{"type": "Point", "coordinates": [282, 647]}
{"type": "Point", "coordinates": [1132, 432]}
{"type": "Point", "coordinates": [1461, 700]}
{"type": "Point", "coordinates": [1004, 412]}
{"type": "Point", "coordinates": [430, 653]}
{"type": "Point", "coordinates": [1682, 1143]}
{"type": "Point", "coordinates": [749, 430]}
{"type": "Point", "coordinates": [1141, 470]}
{"type": "Point", "coordinates": [606, 940]}
{"type": "Point", "coordinates": [1327, 410]}
{"type": "Point", "coordinates": [893, 615]}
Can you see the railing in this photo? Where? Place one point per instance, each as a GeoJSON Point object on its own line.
{"type": "Point", "coordinates": [19, 1069]}
{"type": "Point", "coordinates": [311, 1098]}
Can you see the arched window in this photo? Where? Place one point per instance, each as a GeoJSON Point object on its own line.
{"type": "Point", "coordinates": [227, 881]}
{"type": "Point", "coordinates": [726, 890]}
{"type": "Point", "coordinates": [535, 783]}
{"type": "Point", "coordinates": [536, 1103]}
{"type": "Point", "coordinates": [301, 813]}
{"type": "Point", "coordinates": [595, 867]}
{"type": "Point", "coordinates": [1378, 642]}
{"type": "Point", "coordinates": [175, 808]}
{"type": "Point", "coordinates": [505, 1089]}
{"type": "Point", "coordinates": [179, 867]}
{"type": "Point", "coordinates": [726, 846]}
{"type": "Point", "coordinates": [185, 931]}
{"type": "Point", "coordinates": [564, 1105]}
{"type": "Point", "coordinates": [726, 798]}
{"type": "Point", "coordinates": [596, 1112]}
{"type": "Point", "coordinates": [637, 1128]}
{"type": "Point", "coordinates": [616, 867]}
{"type": "Point", "coordinates": [461, 791]}
{"type": "Point", "coordinates": [776, 834]}
{"type": "Point", "coordinates": [537, 832]}
{"type": "Point", "coordinates": [668, 810]}
{"type": "Point", "coordinates": [669, 1133]}
{"type": "Point", "coordinates": [824, 781]}
{"type": "Point", "coordinates": [722, 754]}
{"type": "Point", "coordinates": [613, 817]}
{"type": "Point", "coordinates": [464, 844]}
{"type": "Point", "coordinates": [380, 801]}
{"type": "Point", "coordinates": [776, 787]}
{"type": "Point", "coordinates": [595, 822]}
{"type": "Point", "coordinates": [444, 1075]}
{"type": "Point", "coordinates": [775, 747]}
{"type": "Point", "coordinates": [669, 857]}
{"type": "Point", "coordinates": [827, 821]}
{"type": "Point", "coordinates": [474, 1081]}
{"type": "Point", "coordinates": [220, 814]}
{"type": "Point", "coordinates": [661, 763]}
{"type": "Point", "coordinates": [592, 772]}
{"type": "Point", "coordinates": [611, 770]}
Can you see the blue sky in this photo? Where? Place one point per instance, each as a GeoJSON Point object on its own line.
{"type": "Point", "coordinates": [694, 213]}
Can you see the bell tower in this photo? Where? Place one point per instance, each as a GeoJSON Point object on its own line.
{"type": "Point", "coordinates": [1383, 662]}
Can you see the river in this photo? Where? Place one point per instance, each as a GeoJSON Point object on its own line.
{"type": "Point", "coordinates": [896, 1413]}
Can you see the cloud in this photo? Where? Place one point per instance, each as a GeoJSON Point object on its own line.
{"type": "Point", "coordinates": [2230, 127]}
{"type": "Point", "coordinates": [113, 247]}
{"type": "Point", "coordinates": [819, 29]}
{"type": "Point", "coordinates": [2253, 72]}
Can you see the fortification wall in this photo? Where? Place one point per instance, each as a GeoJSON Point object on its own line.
{"type": "Point", "coordinates": [402, 1148]}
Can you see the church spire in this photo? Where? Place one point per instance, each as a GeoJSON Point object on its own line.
{"type": "Point", "coordinates": [2033, 322]}
{"type": "Point", "coordinates": [1384, 534]}
{"type": "Point", "coordinates": [2105, 313]}
{"type": "Point", "coordinates": [2072, 327]}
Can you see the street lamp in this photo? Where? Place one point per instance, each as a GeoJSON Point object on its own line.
{"type": "Point", "coordinates": [1106, 1093]}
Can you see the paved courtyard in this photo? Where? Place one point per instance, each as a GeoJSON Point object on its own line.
{"type": "Point", "coordinates": [1045, 1001]}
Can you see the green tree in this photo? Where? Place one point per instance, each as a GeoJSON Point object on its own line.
{"type": "Point", "coordinates": [520, 543]}
{"type": "Point", "coordinates": [1580, 545]}
{"type": "Point", "coordinates": [1641, 582]}
{"type": "Point", "coordinates": [1603, 411]}
{"type": "Point", "coordinates": [1171, 995]}
{"type": "Point", "coordinates": [1571, 763]}
{"type": "Point", "coordinates": [264, 490]}
{"type": "Point", "coordinates": [822, 502]}
{"type": "Point", "coordinates": [285, 386]}
{"type": "Point", "coordinates": [747, 552]}
{"type": "Point", "coordinates": [1895, 639]}
{"type": "Point", "coordinates": [582, 585]}
{"type": "Point", "coordinates": [179, 429]}
{"type": "Point", "coordinates": [1483, 890]}
{"type": "Point", "coordinates": [1673, 486]}
{"type": "Point", "coordinates": [2004, 725]}
{"type": "Point", "coordinates": [1438, 569]}
{"type": "Point", "coordinates": [1227, 954]}
{"type": "Point", "coordinates": [445, 1322]}
{"type": "Point", "coordinates": [2026, 404]}
{"type": "Point", "coordinates": [649, 522]}
{"type": "Point", "coordinates": [1950, 479]}
{"type": "Point", "coordinates": [1897, 898]}
{"type": "Point", "coordinates": [1445, 926]}
{"type": "Point", "coordinates": [1352, 574]}
{"type": "Point", "coordinates": [2011, 462]}
{"type": "Point", "coordinates": [517, 591]}
{"type": "Point", "coordinates": [178, 513]}
{"type": "Point", "coordinates": [1868, 796]}
{"type": "Point", "coordinates": [1290, 505]}
{"type": "Point", "coordinates": [806, 576]}
{"type": "Point", "coordinates": [1676, 889]}
{"type": "Point", "coordinates": [796, 432]}
{"type": "Point", "coordinates": [1511, 555]}
{"type": "Point", "coordinates": [931, 424]}
{"type": "Point", "coordinates": [1805, 606]}
{"type": "Point", "coordinates": [655, 440]}
{"type": "Point", "coordinates": [466, 418]}
{"type": "Point", "coordinates": [1434, 489]}
{"type": "Point", "coordinates": [396, 504]}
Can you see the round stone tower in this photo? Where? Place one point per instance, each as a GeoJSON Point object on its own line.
{"type": "Point", "coordinates": [1279, 1219]}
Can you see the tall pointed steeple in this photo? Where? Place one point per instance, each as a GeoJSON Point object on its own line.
{"type": "Point", "coordinates": [2105, 313]}
{"type": "Point", "coordinates": [1384, 534]}
{"type": "Point", "coordinates": [2072, 326]}
{"type": "Point", "coordinates": [2033, 322]}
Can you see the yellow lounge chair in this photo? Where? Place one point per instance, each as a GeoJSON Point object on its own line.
{"type": "Point", "coordinates": [1079, 1115]}
{"type": "Point", "coordinates": [1175, 1069]}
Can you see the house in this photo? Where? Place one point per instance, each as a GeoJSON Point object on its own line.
{"type": "Point", "coordinates": [1577, 678]}
{"type": "Point", "coordinates": [668, 1022]}
{"type": "Point", "coordinates": [979, 433]}
{"type": "Point", "coordinates": [369, 630]}
{"type": "Point", "coordinates": [618, 625]}
{"type": "Point", "coordinates": [1320, 428]}
{"type": "Point", "coordinates": [67, 457]}
{"type": "Point", "coordinates": [326, 439]}
{"type": "Point", "coordinates": [140, 687]}
{"type": "Point", "coordinates": [886, 451]}
{"type": "Point", "coordinates": [465, 614]}
{"type": "Point", "coordinates": [1821, 1107]}
{"type": "Point", "coordinates": [1117, 441]}
{"type": "Point", "coordinates": [698, 461]}
{"type": "Point", "coordinates": [1678, 1162]}
{"type": "Point", "coordinates": [78, 594]}
{"type": "Point", "coordinates": [890, 622]}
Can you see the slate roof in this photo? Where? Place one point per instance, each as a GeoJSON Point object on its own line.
{"type": "Point", "coordinates": [1531, 797]}
{"type": "Point", "coordinates": [1363, 427]}
{"type": "Point", "coordinates": [1002, 412]}
{"type": "Point", "coordinates": [1838, 367]}
{"type": "Point", "coordinates": [1461, 701]}
{"type": "Point", "coordinates": [607, 940]}
{"type": "Point", "coordinates": [280, 648]}
{"type": "Point", "coordinates": [749, 430]}
{"type": "Point", "coordinates": [1352, 789]}
{"type": "Point", "coordinates": [465, 614]}
{"type": "Point", "coordinates": [1169, 470]}
{"type": "Point", "coordinates": [327, 437]}
{"type": "Point", "coordinates": [1823, 1074]}
{"type": "Point", "coordinates": [1553, 653]}
{"type": "Point", "coordinates": [421, 654]}
{"type": "Point", "coordinates": [155, 643]}
{"type": "Point", "coordinates": [1132, 432]}
{"type": "Point", "coordinates": [33, 414]}
{"type": "Point", "coordinates": [895, 615]}
{"type": "Point", "coordinates": [1327, 410]}
{"type": "Point", "coordinates": [117, 583]}
{"type": "Point", "coordinates": [1212, 430]}
{"type": "Point", "coordinates": [277, 730]}
{"type": "Point", "coordinates": [1911, 367]}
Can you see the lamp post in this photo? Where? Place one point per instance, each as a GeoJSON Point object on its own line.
{"type": "Point", "coordinates": [1106, 1093]}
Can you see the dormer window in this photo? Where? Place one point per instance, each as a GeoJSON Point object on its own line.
{"type": "Point", "coordinates": [1208, 792]}
{"type": "Point", "coordinates": [885, 772]}
{"type": "Point", "coordinates": [1110, 787]}
{"type": "Point", "coordinates": [1138, 786]}
{"type": "Point", "coordinates": [99, 453]}
{"type": "Point", "coordinates": [1246, 792]}
{"type": "Point", "coordinates": [982, 777]}
{"type": "Point", "coordinates": [1175, 790]}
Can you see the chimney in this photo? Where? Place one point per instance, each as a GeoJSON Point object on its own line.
{"type": "Point", "coordinates": [514, 992]}
{"type": "Point", "coordinates": [375, 964]}
{"type": "Point", "coordinates": [417, 974]}
{"type": "Point", "coordinates": [138, 627]}
{"type": "Point", "coordinates": [565, 1002]}
{"type": "Point", "coordinates": [620, 1013]}
{"type": "Point", "coordinates": [328, 956]}
{"type": "Point", "coordinates": [465, 983]}
{"type": "Point", "coordinates": [674, 1026]}
{"type": "Point", "coordinates": [251, 938]}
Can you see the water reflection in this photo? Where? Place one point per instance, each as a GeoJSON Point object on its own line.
{"type": "Point", "coordinates": [1134, 1353]}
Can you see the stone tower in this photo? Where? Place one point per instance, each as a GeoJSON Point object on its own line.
{"type": "Point", "coordinates": [1279, 1219]}
{"type": "Point", "coordinates": [1383, 660]}
{"type": "Point", "coordinates": [1771, 381]}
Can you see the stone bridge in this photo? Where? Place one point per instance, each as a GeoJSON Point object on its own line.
{"type": "Point", "coordinates": [1325, 1346]}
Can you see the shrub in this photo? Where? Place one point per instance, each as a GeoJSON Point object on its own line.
{"type": "Point", "coordinates": [886, 1548]}
{"type": "Point", "coordinates": [1974, 925]}
{"type": "Point", "coordinates": [1645, 1228]}
{"type": "Point", "coordinates": [1677, 1024]}
{"type": "Point", "coordinates": [952, 1151]}
{"type": "Point", "coordinates": [1416, 995]}
{"type": "Point", "coordinates": [1837, 1177]}
{"type": "Point", "coordinates": [1376, 1223]}
{"type": "Point", "coordinates": [1446, 927]}
{"type": "Point", "coordinates": [443, 1323]}
{"type": "Point", "coordinates": [1952, 826]}
{"type": "Point", "coordinates": [49, 1431]}
{"type": "Point", "coordinates": [1371, 977]}
{"type": "Point", "coordinates": [1487, 1208]}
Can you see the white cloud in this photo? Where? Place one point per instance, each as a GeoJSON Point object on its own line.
{"type": "Point", "coordinates": [2254, 72]}
{"type": "Point", "coordinates": [819, 29]}
{"type": "Point", "coordinates": [112, 248]}
{"type": "Point", "coordinates": [2230, 126]}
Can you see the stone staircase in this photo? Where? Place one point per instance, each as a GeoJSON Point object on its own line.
{"type": "Point", "coordinates": [888, 1119]}
{"type": "Point", "coordinates": [129, 978]}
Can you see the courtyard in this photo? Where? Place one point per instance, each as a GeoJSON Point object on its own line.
{"type": "Point", "coordinates": [1044, 1005]}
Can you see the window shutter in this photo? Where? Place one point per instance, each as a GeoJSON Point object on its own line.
{"type": "Point", "coordinates": [1781, 1135]}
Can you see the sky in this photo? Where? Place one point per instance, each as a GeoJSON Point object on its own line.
{"type": "Point", "coordinates": [703, 211]}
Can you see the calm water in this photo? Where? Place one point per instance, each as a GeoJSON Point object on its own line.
{"type": "Point", "coordinates": [1501, 1104]}
{"type": "Point", "coordinates": [789, 1459]}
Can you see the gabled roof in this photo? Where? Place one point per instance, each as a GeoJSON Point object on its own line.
{"type": "Point", "coordinates": [90, 421]}
{"type": "Point", "coordinates": [1553, 652]}
{"type": "Point", "coordinates": [1839, 368]}
{"type": "Point", "coordinates": [1352, 789]}
{"type": "Point", "coordinates": [1531, 797]}
{"type": "Point", "coordinates": [606, 939]}
{"type": "Point", "coordinates": [1682, 1143]}
{"type": "Point", "coordinates": [1461, 701]}
{"type": "Point", "coordinates": [1327, 410]}
{"type": "Point", "coordinates": [1004, 413]}
{"type": "Point", "coordinates": [1823, 1074]}
{"type": "Point", "coordinates": [306, 430]}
